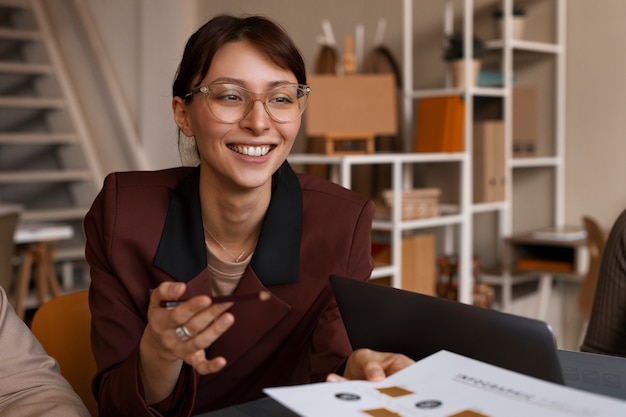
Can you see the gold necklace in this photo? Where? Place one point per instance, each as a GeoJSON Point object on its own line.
{"type": "Point", "coordinates": [233, 257]}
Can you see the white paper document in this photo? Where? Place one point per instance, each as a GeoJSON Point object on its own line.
{"type": "Point", "coordinates": [447, 385]}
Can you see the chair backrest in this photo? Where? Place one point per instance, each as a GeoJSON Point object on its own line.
{"type": "Point", "coordinates": [8, 224]}
{"type": "Point", "coordinates": [63, 326]}
{"type": "Point", "coordinates": [596, 239]}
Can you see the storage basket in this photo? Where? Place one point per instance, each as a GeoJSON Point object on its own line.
{"type": "Point", "coordinates": [418, 203]}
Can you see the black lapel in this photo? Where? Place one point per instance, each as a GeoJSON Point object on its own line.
{"type": "Point", "coordinates": [182, 250]}
{"type": "Point", "coordinates": [276, 257]}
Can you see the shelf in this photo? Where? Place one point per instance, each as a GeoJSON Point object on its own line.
{"type": "Point", "coordinates": [408, 225]}
{"type": "Point", "coordinates": [528, 46]}
{"type": "Point", "coordinates": [490, 207]}
{"type": "Point", "coordinates": [475, 91]}
{"type": "Point", "coordinates": [379, 158]}
{"type": "Point", "coordinates": [536, 162]}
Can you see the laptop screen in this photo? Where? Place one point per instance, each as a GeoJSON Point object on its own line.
{"type": "Point", "coordinates": [392, 320]}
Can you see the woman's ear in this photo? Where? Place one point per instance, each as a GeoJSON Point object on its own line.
{"type": "Point", "coordinates": [181, 117]}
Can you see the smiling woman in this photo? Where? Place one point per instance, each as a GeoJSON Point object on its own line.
{"type": "Point", "coordinates": [238, 222]}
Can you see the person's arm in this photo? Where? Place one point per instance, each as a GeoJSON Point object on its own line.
{"type": "Point", "coordinates": [162, 353]}
{"type": "Point", "coordinates": [30, 382]}
{"type": "Point", "coordinates": [138, 355]}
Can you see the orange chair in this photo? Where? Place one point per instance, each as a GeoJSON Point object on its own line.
{"type": "Point", "coordinates": [63, 326]}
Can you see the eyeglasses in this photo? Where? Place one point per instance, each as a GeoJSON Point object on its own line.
{"type": "Point", "coordinates": [231, 103]}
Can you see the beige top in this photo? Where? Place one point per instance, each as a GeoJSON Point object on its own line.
{"type": "Point", "coordinates": [225, 276]}
{"type": "Point", "coordinates": [30, 382]}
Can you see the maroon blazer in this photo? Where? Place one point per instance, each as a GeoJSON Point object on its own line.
{"type": "Point", "coordinates": [146, 227]}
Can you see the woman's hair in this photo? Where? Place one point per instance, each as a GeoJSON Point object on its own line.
{"type": "Point", "coordinates": [261, 32]}
{"type": "Point", "coordinates": [201, 47]}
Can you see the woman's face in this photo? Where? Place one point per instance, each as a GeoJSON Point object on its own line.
{"type": "Point", "coordinates": [244, 154]}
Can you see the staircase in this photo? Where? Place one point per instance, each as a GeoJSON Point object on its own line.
{"type": "Point", "coordinates": [47, 162]}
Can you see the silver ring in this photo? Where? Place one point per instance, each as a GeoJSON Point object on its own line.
{"type": "Point", "coordinates": [183, 333]}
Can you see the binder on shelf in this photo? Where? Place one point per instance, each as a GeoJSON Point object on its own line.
{"type": "Point", "coordinates": [439, 125]}
{"type": "Point", "coordinates": [488, 161]}
{"type": "Point", "coordinates": [524, 121]}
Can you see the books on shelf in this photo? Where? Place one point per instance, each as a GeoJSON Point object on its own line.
{"type": "Point", "coordinates": [560, 233]}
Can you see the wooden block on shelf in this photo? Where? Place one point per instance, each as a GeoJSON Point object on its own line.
{"type": "Point", "coordinates": [418, 263]}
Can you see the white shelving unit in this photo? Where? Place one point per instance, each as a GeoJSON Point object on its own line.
{"type": "Point", "coordinates": [458, 228]}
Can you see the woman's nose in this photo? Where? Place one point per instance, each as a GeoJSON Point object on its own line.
{"type": "Point", "coordinates": [257, 118]}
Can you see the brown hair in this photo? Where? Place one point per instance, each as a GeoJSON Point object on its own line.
{"type": "Point", "coordinates": [266, 35]}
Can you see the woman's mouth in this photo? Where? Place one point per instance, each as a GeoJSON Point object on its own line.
{"type": "Point", "coordinates": [250, 150]}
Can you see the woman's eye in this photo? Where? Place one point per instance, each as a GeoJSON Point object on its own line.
{"type": "Point", "coordinates": [229, 96]}
{"type": "Point", "coordinates": [281, 99]}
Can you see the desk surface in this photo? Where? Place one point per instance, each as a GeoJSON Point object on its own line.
{"type": "Point", "coordinates": [265, 407]}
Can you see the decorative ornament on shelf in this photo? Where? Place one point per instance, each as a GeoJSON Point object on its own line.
{"type": "Point", "coordinates": [454, 53]}
{"type": "Point", "coordinates": [518, 20]}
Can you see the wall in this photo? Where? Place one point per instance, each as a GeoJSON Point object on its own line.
{"type": "Point", "coordinates": [596, 108]}
{"type": "Point", "coordinates": [595, 76]}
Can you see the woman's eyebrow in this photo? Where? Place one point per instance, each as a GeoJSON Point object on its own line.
{"type": "Point", "coordinates": [243, 83]}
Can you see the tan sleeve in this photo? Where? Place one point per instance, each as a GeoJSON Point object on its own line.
{"type": "Point", "coordinates": [30, 382]}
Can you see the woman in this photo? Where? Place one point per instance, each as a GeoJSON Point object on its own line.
{"type": "Point", "coordinates": [240, 222]}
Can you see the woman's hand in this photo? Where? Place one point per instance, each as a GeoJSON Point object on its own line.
{"type": "Point", "coordinates": [179, 334]}
{"type": "Point", "coordinates": [372, 365]}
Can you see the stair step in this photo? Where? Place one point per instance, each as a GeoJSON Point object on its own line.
{"type": "Point", "coordinates": [45, 176]}
{"type": "Point", "coordinates": [32, 103]}
{"type": "Point", "coordinates": [19, 35]}
{"type": "Point", "coordinates": [54, 215]}
{"type": "Point", "coordinates": [25, 68]}
{"type": "Point", "coordinates": [38, 138]}
{"type": "Point", "coordinates": [20, 4]}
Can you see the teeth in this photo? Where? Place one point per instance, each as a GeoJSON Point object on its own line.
{"type": "Point", "coordinates": [250, 150]}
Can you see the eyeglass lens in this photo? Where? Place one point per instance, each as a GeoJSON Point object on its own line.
{"type": "Point", "coordinates": [231, 103]}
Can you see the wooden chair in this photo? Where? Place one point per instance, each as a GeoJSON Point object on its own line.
{"type": "Point", "coordinates": [596, 239]}
{"type": "Point", "coordinates": [63, 326]}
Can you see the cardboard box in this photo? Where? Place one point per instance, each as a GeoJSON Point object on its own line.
{"type": "Point", "coordinates": [488, 161]}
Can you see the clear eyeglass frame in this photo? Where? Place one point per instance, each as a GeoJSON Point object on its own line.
{"type": "Point", "coordinates": [231, 103]}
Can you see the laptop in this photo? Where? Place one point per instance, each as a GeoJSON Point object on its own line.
{"type": "Point", "coordinates": [392, 320]}
{"type": "Point", "coordinates": [593, 372]}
